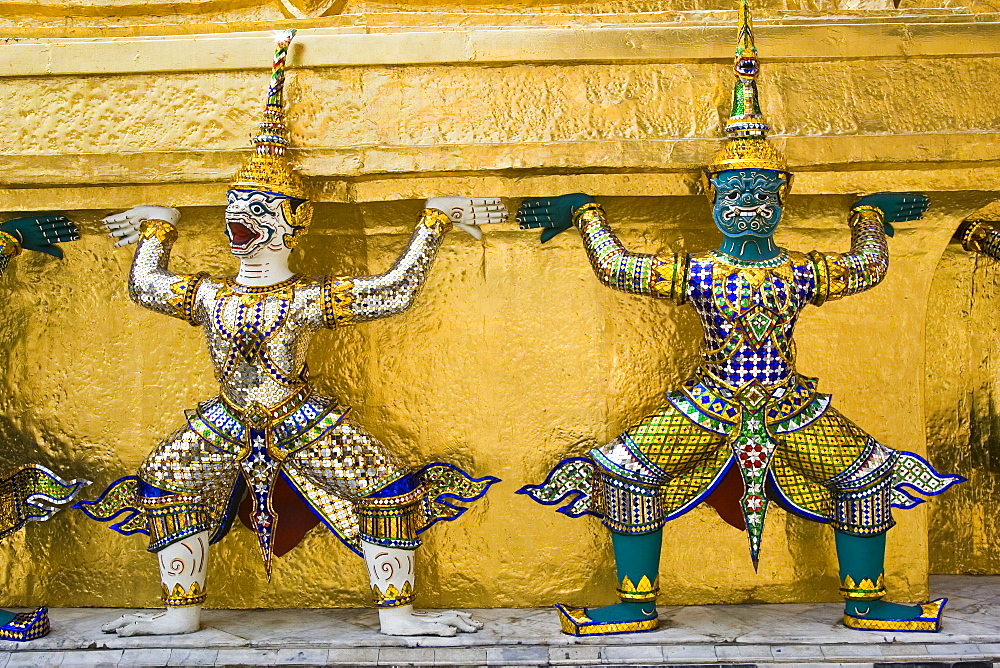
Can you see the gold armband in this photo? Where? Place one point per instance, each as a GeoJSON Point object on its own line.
{"type": "Point", "coordinates": [185, 292]}
{"type": "Point", "coordinates": [830, 276]}
{"type": "Point", "coordinates": [587, 213]}
{"type": "Point", "coordinates": [160, 229]}
{"type": "Point", "coordinates": [433, 217]}
{"type": "Point", "coordinates": [670, 277]}
{"type": "Point", "coordinates": [336, 301]}
{"type": "Point", "coordinates": [9, 245]}
{"type": "Point", "coordinates": [865, 214]}
{"type": "Point", "coordinates": [975, 235]}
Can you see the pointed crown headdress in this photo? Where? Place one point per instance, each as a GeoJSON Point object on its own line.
{"type": "Point", "coordinates": [268, 169]}
{"type": "Point", "coordinates": [747, 146]}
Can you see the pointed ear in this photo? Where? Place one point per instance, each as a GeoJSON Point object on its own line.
{"type": "Point", "coordinates": [783, 190]}
{"type": "Point", "coordinates": [707, 186]}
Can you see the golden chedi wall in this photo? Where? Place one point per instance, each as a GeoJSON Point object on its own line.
{"type": "Point", "coordinates": [962, 406]}
{"type": "Point", "coordinates": [514, 356]}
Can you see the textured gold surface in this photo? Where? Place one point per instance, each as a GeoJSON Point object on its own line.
{"type": "Point", "coordinates": [514, 355]}
{"type": "Point", "coordinates": [963, 395]}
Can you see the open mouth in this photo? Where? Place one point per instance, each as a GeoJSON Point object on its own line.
{"type": "Point", "coordinates": [240, 236]}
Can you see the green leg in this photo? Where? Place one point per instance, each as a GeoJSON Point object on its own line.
{"type": "Point", "coordinates": [6, 617]}
{"type": "Point", "coordinates": [862, 558]}
{"type": "Point", "coordinates": [637, 556]}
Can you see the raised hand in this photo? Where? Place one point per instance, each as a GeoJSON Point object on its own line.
{"type": "Point", "coordinates": [40, 233]}
{"type": "Point", "coordinates": [553, 213]}
{"type": "Point", "coordinates": [468, 213]}
{"type": "Point", "coordinates": [897, 207]}
{"type": "Point", "coordinates": [124, 226]}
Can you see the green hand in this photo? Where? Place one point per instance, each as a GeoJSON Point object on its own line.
{"type": "Point", "coordinates": [40, 233]}
{"type": "Point", "coordinates": [553, 213]}
{"type": "Point", "coordinates": [897, 207]}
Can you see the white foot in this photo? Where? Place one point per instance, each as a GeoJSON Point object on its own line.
{"type": "Point", "coordinates": [172, 621]}
{"type": "Point", "coordinates": [404, 621]}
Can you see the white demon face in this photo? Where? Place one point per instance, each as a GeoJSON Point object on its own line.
{"type": "Point", "coordinates": [255, 221]}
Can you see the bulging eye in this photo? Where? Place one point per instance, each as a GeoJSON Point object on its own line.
{"type": "Point", "coordinates": [762, 197]}
{"type": "Point", "coordinates": [258, 209]}
{"type": "Point", "coordinates": [732, 195]}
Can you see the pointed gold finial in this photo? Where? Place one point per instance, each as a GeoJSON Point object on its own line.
{"type": "Point", "coordinates": [268, 169]}
{"type": "Point", "coordinates": [747, 147]}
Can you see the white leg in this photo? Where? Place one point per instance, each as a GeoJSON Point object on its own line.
{"type": "Point", "coordinates": [183, 567]}
{"type": "Point", "coordinates": [391, 572]}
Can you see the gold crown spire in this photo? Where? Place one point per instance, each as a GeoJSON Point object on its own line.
{"type": "Point", "coordinates": [268, 169]}
{"type": "Point", "coordinates": [747, 147]}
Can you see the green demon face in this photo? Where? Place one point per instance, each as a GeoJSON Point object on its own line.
{"type": "Point", "coordinates": [748, 201]}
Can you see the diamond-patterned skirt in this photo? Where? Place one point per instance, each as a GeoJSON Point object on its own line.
{"type": "Point", "coordinates": [686, 458]}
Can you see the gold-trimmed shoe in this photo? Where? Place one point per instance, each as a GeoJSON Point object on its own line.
{"type": "Point", "coordinates": [929, 620]}
{"type": "Point", "coordinates": [575, 622]}
{"type": "Point", "coordinates": [26, 626]}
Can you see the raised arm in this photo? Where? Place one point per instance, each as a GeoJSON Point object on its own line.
{"type": "Point", "coordinates": [150, 283]}
{"type": "Point", "coordinates": [346, 301]}
{"type": "Point", "coordinates": [982, 236]}
{"type": "Point", "coordinates": [872, 217]}
{"type": "Point", "coordinates": [661, 276]}
{"type": "Point", "coordinates": [37, 233]}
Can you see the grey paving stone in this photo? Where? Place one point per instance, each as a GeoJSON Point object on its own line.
{"type": "Point", "coordinates": [689, 653]}
{"type": "Point", "coordinates": [814, 664]}
{"type": "Point", "coordinates": [990, 650]}
{"type": "Point", "coordinates": [35, 659]}
{"type": "Point", "coordinates": [859, 652]}
{"type": "Point", "coordinates": [517, 655]}
{"type": "Point", "coordinates": [576, 654]}
{"type": "Point", "coordinates": [353, 655]}
{"type": "Point", "coordinates": [307, 657]}
{"type": "Point", "coordinates": [246, 657]}
{"type": "Point", "coordinates": [405, 656]}
{"type": "Point", "coordinates": [633, 654]}
{"type": "Point", "coordinates": [144, 658]}
{"type": "Point", "coordinates": [743, 652]}
{"type": "Point", "coordinates": [104, 658]}
{"type": "Point", "coordinates": [796, 652]}
{"type": "Point", "coordinates": [460, 656]}
{"type": "Point", "coordinates": [193, 657]}
{"type": "Point", "coordinates": [957, 651]}
{"type": "Point", "coordinates": [905, 651]}
{"type": "Point", "coordinates": [937, 664]}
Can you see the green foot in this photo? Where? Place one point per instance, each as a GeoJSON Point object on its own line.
{"type": "Point", "coordinates": [882, 610]}
{"type": "Point", "coordinates": [622, 612]}
{"type": "Point", "coordinates": [6, 617]}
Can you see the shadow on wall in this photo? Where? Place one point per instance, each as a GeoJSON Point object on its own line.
{"type": "Point", "coordinates": [963, 408]}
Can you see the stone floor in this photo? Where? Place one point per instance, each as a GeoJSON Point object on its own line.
{"type": "Point", "coordinates": [744, 635]}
